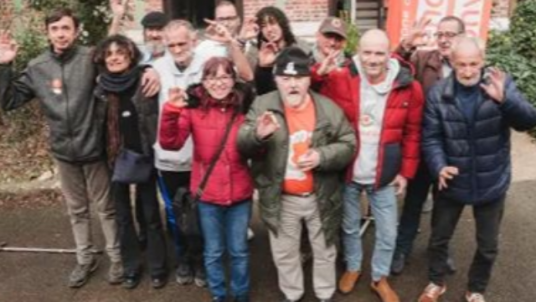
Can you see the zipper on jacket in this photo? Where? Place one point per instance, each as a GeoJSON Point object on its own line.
{"type": "Point", "coordinates": [68, 118]}
{"type": "Point", "coordinates": [474, 193]}
{"type": "Point", "coordinates": [470, 127]}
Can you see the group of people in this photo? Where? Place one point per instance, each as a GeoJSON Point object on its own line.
{"type": "Point", "coordinates": [309, 129]}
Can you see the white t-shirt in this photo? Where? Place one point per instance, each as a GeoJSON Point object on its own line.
{"type": "Point", "coordinates": [210, 48]}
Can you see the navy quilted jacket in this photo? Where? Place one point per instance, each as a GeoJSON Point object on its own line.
{"type": "Point", "coordinates": [480, 148]}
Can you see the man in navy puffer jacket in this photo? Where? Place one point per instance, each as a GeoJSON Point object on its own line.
{"type": "Point", "coordinates": [466, 144]}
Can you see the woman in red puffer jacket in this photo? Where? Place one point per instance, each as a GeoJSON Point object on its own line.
{"type": "Point", "coordinates": [205, 111]}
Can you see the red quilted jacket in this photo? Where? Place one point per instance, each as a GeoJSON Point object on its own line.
{"type": "Point", "coordinates": [401, 132]}
{"type": "Point", "coordinates": [230, 181]}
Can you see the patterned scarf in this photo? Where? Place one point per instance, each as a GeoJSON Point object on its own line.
{"type": "Point", "coordinates": [116, 86]}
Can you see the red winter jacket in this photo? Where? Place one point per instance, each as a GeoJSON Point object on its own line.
{"type": "Point", "coordinates": [401, 132]}
{"type": "Point", "coordinates": [230, 181]}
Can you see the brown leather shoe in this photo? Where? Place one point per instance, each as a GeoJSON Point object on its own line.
{"type": "Point", "coordinates": [384, 291]}
{"type": "Point", "coordinates": [348, 281]}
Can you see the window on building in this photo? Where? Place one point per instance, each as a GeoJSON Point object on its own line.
{"type": "Point", "coordinates": [195, 11]}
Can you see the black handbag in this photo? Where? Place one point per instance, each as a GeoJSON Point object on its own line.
{"type": "Point", "coordinates": [132, 168]}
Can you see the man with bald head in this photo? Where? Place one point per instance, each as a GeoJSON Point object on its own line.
{"type": "Point", "coordinates": [466, 144]}
{"type": "Point", "coordinates": [384, 104]}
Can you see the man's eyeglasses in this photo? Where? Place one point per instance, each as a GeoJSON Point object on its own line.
{"type": "Point", "coordinates": [223, 79]}
{"type": "Point", "coordinates": [226, 19]}
{"type": "Point", "coordinates": [447, 34]}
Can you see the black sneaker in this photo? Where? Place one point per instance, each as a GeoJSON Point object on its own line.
{"type": "Point", "coordinates": [242, 298]}
{"type": "Point", "coordinates": [131, 280]}
{"type": "Point", "coordinates": [159, 282]}
{"type": "Point", "coordinates": [398, 263]}
{"type": "Point", "coordinates": [81, 273]}
{"type": "Point", "coordinates": [200, 278]}
{"type": "Point", "coordinates": [184, 274]}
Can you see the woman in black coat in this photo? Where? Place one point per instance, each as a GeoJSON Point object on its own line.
{"type": "Point", "coordinates": [131, 123]}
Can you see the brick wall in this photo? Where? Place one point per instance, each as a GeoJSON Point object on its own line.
{"type": "Point", "coordinates": [296, 10]}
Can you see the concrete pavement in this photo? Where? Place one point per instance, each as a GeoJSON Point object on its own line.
{"type": "Point", "coordinates": [26, 277]}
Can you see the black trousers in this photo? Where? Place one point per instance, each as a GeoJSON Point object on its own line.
{"type": "Point", "coordinates": [416, 195]}
{"type": "Point", "coordinates": [446, 215]}
{"type": "Point", "coordinates": [131, 254]}
{"type": "Point", "coordinates": [140, 219]}
{"type": "Point", "coordinates": [190, 250]}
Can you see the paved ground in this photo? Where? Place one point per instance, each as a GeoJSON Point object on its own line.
{"type": "Point", "coordinates": [26, 277]}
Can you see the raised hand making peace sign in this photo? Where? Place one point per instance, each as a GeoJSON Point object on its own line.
{"type": "Point", "coordinates": [217, 32]}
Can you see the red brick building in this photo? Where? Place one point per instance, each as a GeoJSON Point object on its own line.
{"type": "Point", "coordinates": [303, 13]}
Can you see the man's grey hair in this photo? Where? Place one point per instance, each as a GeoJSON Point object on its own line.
{"type": "Point", "coordinates": [465, 42]}
{"type": "Point", "coordinates": [180, 23]}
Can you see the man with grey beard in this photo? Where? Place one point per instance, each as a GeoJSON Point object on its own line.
{"type": "Point", "coordinates": [466, 144]}
{"type": "Point", "coordinates": [153, 36]}
{"type": "Point", "coordinates": [153, 30]}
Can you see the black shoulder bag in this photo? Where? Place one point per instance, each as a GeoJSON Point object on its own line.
{"type": "Point", "coordinates": [185, 203]}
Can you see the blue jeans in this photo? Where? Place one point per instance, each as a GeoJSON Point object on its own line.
{"type": "Point", "coordinates": [225, 227]}
{"type": "Point", "coordinates": [384, 210]}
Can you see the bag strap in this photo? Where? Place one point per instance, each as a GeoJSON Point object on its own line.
{"type": "Point", "coordinates": [203, 183]}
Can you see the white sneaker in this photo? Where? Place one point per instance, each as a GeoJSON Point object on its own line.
{"type": "Point", "coordinates": [474, 297]}
{"type": "Point", "coordinates": [432, 292]}
{"type": "Point", "coordinates": [251, 235]}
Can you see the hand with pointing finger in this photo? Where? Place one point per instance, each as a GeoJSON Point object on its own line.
{"type": "Point", "coordinates": [250, 29]}
{"type": "Point", "coordinates": [329, 63]}
{"type": "Point", "coordinates": [268, 54]}
{"type": "Point", "coordinates": [217, 32]}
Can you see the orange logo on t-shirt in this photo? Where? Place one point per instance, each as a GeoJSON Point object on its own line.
{"type": "Point", "coordinates": [301, 125]}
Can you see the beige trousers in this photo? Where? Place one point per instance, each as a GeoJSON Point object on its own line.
{"type": "Point", "coordinates": [286, 249]}
{"type": "Point", "coordinates": [80, 185]}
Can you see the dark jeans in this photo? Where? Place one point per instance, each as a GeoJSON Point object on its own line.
{"type": "Point", "coordinates": [188, 241]}
{"type": "Point", "coordinates": [416, 195]}
{"type": "Point", "coordinates": [444, 220]}
{"type": "Point", "coordinates": [225, 230]}
{"type": "Point", "coordinates": [130, 248]}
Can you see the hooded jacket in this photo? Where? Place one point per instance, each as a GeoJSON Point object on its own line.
{"type": "Point", "coordinates": [400, 137]}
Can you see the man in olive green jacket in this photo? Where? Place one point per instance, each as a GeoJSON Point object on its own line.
{"type": "Point", "coordinates": [300, 144]}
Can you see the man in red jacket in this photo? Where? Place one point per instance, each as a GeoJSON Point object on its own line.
{"type": "Point", "coordinates": [384, 104]}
